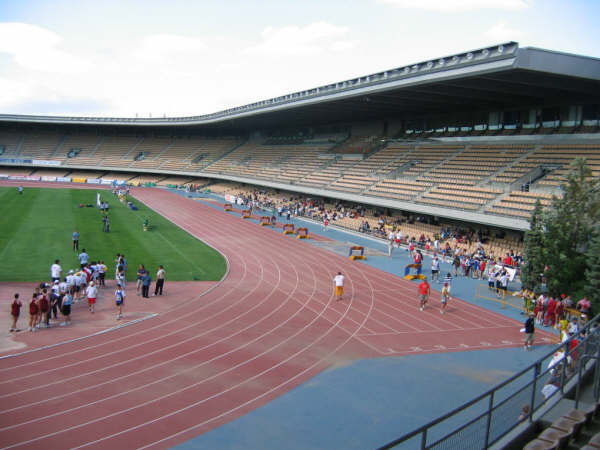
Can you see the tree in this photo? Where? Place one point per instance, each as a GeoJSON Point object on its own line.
{"type": "Point", "coordinates": [560, 237]}
{"type": "Point", "coordinates": [592, 274]}
{"type": "Point", "coordinates": [533, 243]}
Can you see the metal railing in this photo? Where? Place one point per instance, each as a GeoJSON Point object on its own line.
{"type": "Point", "coordinates": [486, 419]}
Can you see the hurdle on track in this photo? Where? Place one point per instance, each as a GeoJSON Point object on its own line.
{"type": "Point", "coordinates": [418, 275]}
{"type": "Point", "coordinates": [302, 233]}
{"type": "Point", "coordinates": [356, 248]}
{"type": "Point", "coordinates": [227, 207]}
{"type": "Point", "coordinates": [246, 214]}
{"type": "Point", "coordinates": [265, 221]}
{"type": "Point", "coordinates": [288, 228]}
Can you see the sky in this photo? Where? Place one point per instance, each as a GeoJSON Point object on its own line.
{"type": "Point", "coordinates": [173, 58]}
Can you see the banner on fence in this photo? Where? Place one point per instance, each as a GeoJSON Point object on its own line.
{"type": "Point", "coordinates": [64, 179]}
{"type": "Point", "coordinates": [48, 178]}
{"type": "Point", "coordinates": [105, 181]}
{"type": "Point", "coordinates": [94, 180]}
{"type": "Point", "coordinates": [43, 162]}
{"type": "Point", "coordinates": [78, 180]}
{"type": "Point", "coordinates": [15, 161]}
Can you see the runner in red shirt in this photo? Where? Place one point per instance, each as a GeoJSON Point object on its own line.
{"type": "Point", "coordinates": [15, 311]}
{"type": "Point", "coordinates": [424, 292]}
{"type": "Point", "coordinates": [33, 313]}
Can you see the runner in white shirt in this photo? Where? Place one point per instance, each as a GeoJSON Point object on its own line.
{"type": "Point", "coordinates": [92, 293]}
{"type": "Point", "coordinates": [435, 269]}
{"type": "Point", "coordinates": [339, 286]}
{"type": "Point", "coordinates": [55, 271]}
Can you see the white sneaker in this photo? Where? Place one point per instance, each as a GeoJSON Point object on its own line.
{"type": "Point", "coordinates": [421, 308]}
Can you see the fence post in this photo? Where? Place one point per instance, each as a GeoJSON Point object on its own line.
{"type": "Point", "coordinates": [489, 420]}
{"type": "Point", "coordinates": [424, 439]}
{"type": "Point", "coordinates": [536, 372]}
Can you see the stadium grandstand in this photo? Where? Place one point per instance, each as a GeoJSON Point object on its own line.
{"type": "Point", "coordinates": [475, 137]}
{"type": "Point", "coordinates": [471, 140]}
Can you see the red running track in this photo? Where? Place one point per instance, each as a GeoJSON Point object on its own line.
{"type": "Point", "coordinates": [270, 325]}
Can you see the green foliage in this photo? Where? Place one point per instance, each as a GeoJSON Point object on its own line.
{"type": "Point", "coordinates": [534, 258]}
{"type": "Point", "coordinates": [592, 274]}
{"type": "Point", "coordinates": [36, 229]}
{"type": "Point", "coordinates": [560, 237]}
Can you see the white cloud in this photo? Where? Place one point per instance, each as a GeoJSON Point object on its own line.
{"type": "Point", "coordinates": [159, 47]}
{"type": "Point", "coordinates": [293, 40]}
{"type": "Point", "coordinates": [500, 32]}
{"type": "Point", "coordinates": [37, 48]}
{"type": "Point", "coordinates": [459, 5]}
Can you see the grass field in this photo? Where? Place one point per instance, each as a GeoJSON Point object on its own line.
{"type": "Point", "coordinates": [36, 228]}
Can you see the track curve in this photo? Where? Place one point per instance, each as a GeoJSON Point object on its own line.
{"type": "Point", "coordinates": [270, 325]}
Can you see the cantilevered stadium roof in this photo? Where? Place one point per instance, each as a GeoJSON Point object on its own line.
{"type": "Point", "coordinates": [491, 78]}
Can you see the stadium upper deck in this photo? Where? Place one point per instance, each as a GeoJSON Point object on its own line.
{"type": "Point", "coordinates": [453, 137]}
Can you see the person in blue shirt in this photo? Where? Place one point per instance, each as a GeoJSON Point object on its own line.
{"type": "Point", "coordinates": [75, 238]}
{"type": "Point", "coordinates": [83, 258]}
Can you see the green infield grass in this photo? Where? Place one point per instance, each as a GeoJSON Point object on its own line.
{"type": "Point", "coordinates": [36, 229]}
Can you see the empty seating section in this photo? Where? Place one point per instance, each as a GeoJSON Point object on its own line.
{"type": "Point", "coordinates": [194, 153]}
{"type": "Point", "coordinates": [80, 146]}
{"type": "Point", "coordinates": [398, 189]}
{"type": "Point", "coordinates": [332, 170]}
{"type": "Point", "coordinates": [10, 141]}
{"type": "Point", "coordinates": [152, 149]}
{"type": "Point", "coordinates": [40, 145]}
{"type": "Point", "coordinates": [564, 155]}
{"type": "Point", "coordinates": [178, 181]}
{"type": "Point", "coordinates": [118, 176]}
{"type": "Point", "coordinates": [110, 152]}
{"type": "Point", "coordinates": [50, 172]}
{"type": "Point", "coordinates": [473, 165]}
{"type": "Point", "coordinates": [146, 178]}
{"type": "Point", "coordinates": [15, 171]}
{"type": "Point", "coordinates": [520, 204]}
{"type": "Point", "coordinates": [86, 174]}
{"type": "Point", "coordinates": [356, 144]}
{"type": "Point", "coordinates": [352, 183]}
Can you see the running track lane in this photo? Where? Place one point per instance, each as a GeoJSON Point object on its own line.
{"type": "Point", "coordinates": [271, 324]}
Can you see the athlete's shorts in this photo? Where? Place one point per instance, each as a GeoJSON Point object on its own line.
{"type": "Point", "coordinates": [91, 301]}
{"type": "Point", "coordinates": [119, 302]}
{"type": "Point", "coordinates": [339, 290]}
{"type": "Point", "coordinates": [423, 297]}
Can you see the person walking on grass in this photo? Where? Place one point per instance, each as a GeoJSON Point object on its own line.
{"type": "Point", "coordinates": [424, 291]}
{"type": "Point", "coordinates": [55, 271]}
{"type": "Point", "coordinates": [75, 238]}
{"type": "Point", "coordinates": [15, 312]}
{"type": "Point", "coordinates": [160, 281]}
{"type": "Point", "coordinates": [83, 258]}
{"type": "Point", "coordinates": [119, 301]}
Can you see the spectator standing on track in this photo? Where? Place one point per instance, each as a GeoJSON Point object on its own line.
{"type": "Point", "coordinates": [146, 280]}
{"type": "Point", "coordinates": [15, 312]}
{"type": "Point", "coordinates": [448, 279]}
{"type": "Point", "coordinates": [65, 308]}
{"type": "Point", "coordinates": [160, 280]}
{"type": "Point", "coordinates": [424, 291]}
{"type": "Point", "coordinates": [120, 278]}
{"type": "Point", "coordinates": [119, 301]}
{"type": "Point", "coordinates": [44, 306]}
{"type": "Point", "coordinates": [435, 269]}
{"type": "Point", "coordinates": [529, 331]}
{"type": "Point", "coordinates": [101, 267]}
{"type": "Point", "coordinates": [33, 313]}
{"type": "Point", "coordinates": [92, 293]}
{"type": "Point", "coordinates": [138, 279]}
{"type": "Point", "coordinates": [55, 271]}
{"type": "Point", "coordinates": [445, 296]}
{"type": "Point", "coordinates": [390, 247]}
{"type": "Point", "coordinates": [75, 237]}
{"type": "Point", "coordinates": [339, 286]}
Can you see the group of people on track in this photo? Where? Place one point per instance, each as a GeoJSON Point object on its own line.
{"type": "Point", "coordinates": [61, 292]}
